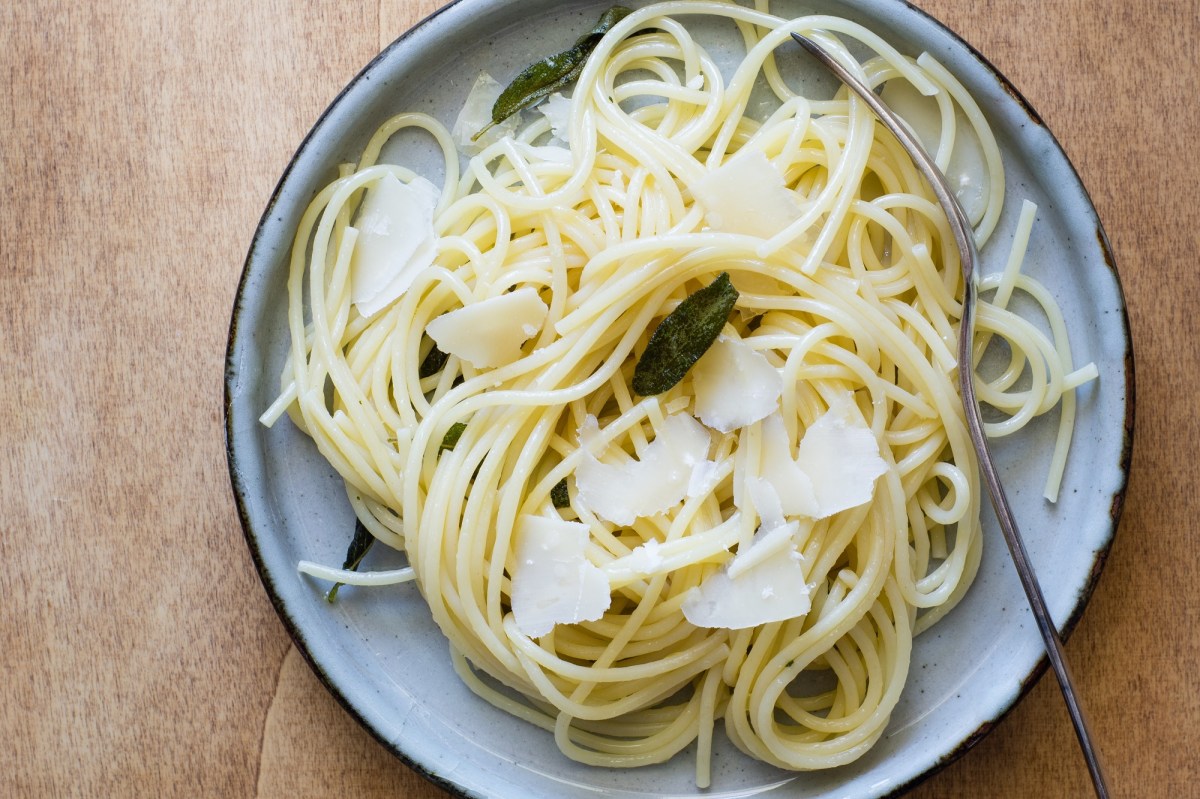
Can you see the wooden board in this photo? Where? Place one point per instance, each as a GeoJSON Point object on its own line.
{"type": "Point", "coordinates": [139, 142]}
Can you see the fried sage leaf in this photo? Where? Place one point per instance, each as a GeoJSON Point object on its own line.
{"type": "Point", "coordinates": [432, 363]}
{"type": "Point", "coordinates": [559, 494]}
{"type": "Point", "coordinates": [450, 440]}
{"type": "Point", "coordinates": [553, 73]}
{"type": "Point", "coordinates": [360, 545]}
{"type": "Point", "coordinates": [684, 336]}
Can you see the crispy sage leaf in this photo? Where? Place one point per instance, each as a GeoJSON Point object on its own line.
{"type": "Point", "coordinates": [450, 440]}
{"type": "Point", "coordinates": [559, 495]}
{"type": "Point", "coordinates": [360, 545]}
{"type": "Point", "coordinates": [553, 73]}
{"type": "Point", "coordinates": [433, 363]}
{"type": "Point", "coordinates": [684, 336]}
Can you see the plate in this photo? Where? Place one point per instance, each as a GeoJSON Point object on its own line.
{"type": "Point", "coordinates": [378, 650]}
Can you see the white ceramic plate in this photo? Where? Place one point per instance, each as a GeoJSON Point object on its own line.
{"type": "Point", "coordinates": [378, 651]}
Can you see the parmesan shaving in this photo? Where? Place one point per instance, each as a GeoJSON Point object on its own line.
{"type": "Point", "coordinates": [625, 489]}
{"type": "Point", "coordinates": [735, 385]}
{"type": "Point", "coordinates": [766, 502]}
{"type": "Point", "coordinates": [490, 333]}
{"type": "Point", "coordinates": [761, 585]}
{"type": "Point", "coordinates": [791, 484]}
{"type": "Point", "coordinates": [395, 241]}
{"type": "Point", "coordinates": [476, 114]}
{"type": "Point", "coordinates": [553, 582]}
{"type": "Point", "coordinates": [834, 470]}
{"type": "Point", "coordinates": [557, 109]}
{"type": "Point", "coordinates": [747, 195]}
{"type": "Point", "coordinates": [840, 455]}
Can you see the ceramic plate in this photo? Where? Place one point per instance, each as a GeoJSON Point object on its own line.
{"type": "Point", "coordinates": [379, 652]}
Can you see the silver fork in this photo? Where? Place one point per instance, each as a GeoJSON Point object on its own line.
{"type": "Point", "coordinates": [969, 255]}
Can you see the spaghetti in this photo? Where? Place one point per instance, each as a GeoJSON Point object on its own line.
{"type": "Point", "coordinates": [852, 303]}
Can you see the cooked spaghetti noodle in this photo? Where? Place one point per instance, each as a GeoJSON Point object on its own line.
{"type": "Point", "coordinates": [856, 296]}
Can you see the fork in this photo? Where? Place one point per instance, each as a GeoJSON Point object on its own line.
{"type": "Point", "coordinates": [969, 256]}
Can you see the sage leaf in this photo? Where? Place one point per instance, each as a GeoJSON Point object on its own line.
{"type": "Point", "coordinates": [360, 545]}
{"type": "Point", "coordinates": [433, 363]}
{"type": "Point", "coordinates": [553, 73]}
{"type": "Point", "coordinates": [684, 336]}
{"type": "Point", "coordinates": [559, 495]}
{"type": "Point", "coordinates": [450, 440]}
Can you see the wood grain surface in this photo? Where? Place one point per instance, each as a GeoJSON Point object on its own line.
{"type": "Point", "coordinates": [139, 141]}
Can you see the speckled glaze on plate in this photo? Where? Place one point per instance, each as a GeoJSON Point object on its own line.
{"type": "Point", "coordinates": [379, 652]}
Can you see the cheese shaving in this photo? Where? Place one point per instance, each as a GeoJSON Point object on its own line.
{"type": "Point", "coordinates": [840, 455]}
{"type": "Point", "coordinates": [747, 195]}
{"type": "Point", "coordinates": [395, 241]}
{"type": "Point", "coordinates": [490, 333]}
{"type": "Point", "coordinates": [624, 489]}
{"type": "Point", "coordinates": [557, 109]}
{"type": "Point", "coordinates": [755, 587]}
{"type": "Point", "coordinates": [792, 485]}
{"type": "Point", "coordinates": [735, 385]}
{"type": "Point", "coordinates": [476, 114]}
{"type": "Point", "coordinates": [552, 581]}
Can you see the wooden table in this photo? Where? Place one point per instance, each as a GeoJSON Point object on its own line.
{"type": "Point", "coordinates": [139, 141]}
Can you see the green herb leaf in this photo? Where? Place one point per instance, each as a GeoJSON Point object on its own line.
{"type": "Point", "coordinates": [603, 25]}
{"type": "Point", "coordinates": [552, 73]}
{"type": "Point", "coordinates": [433, 363]}
{"type": "Point", "coordinates": [684, 336]}
{"type": "Point", "coordinates": [360, 545]}
{"type": "Point", "coordinates": [559, 495]}
{"type": "Point", "coordinates": [450, 440]}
